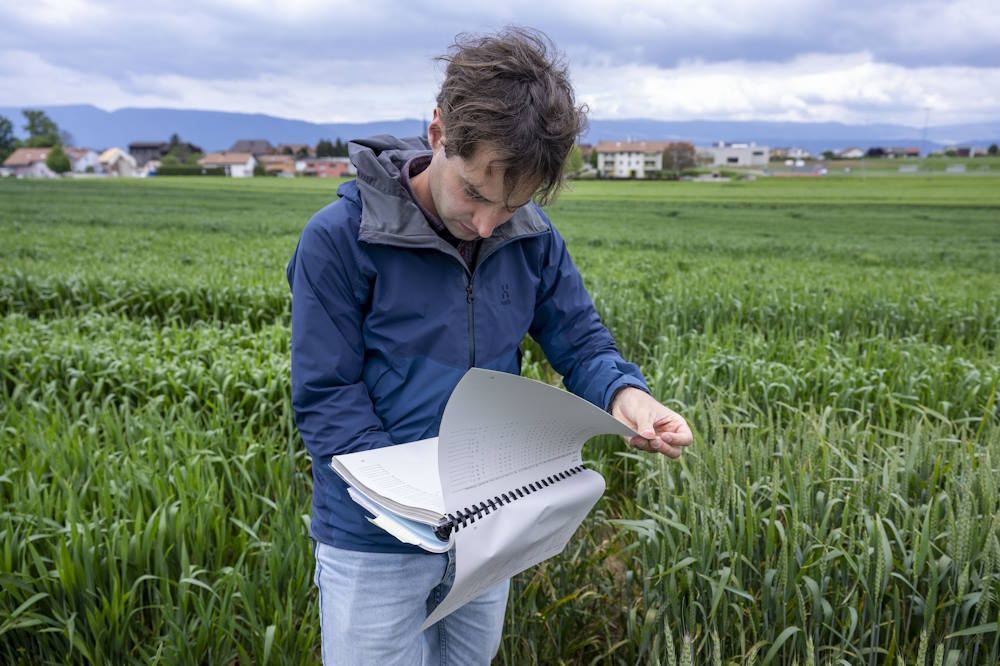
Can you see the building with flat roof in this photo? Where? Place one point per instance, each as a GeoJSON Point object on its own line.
{"type": "Point", "coordinates": [736, 154]}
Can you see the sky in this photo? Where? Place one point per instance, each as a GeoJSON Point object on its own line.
{"type": "Point", "coordinates": [908, 62]}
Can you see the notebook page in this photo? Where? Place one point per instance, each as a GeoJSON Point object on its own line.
{"type": "Point", "coordinates": [405, 473]}
{"type": "Point", "coordinates": [501, 431]}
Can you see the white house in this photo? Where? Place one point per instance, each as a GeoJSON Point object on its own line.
{"type": "Point", "coordinates": [29, 163]}
{"type": "Point", "coordinates": [81, 158]}
{"type": "Point", "coordinates": [116, 162]}
{"type": "Point", "coordinates": [629, 159]}
{"type": "Point", "coordinates": [237, 165]}
{"type": "Point", "coordinates": [736, 154]}
{"type": "Point", "coordinates": [851, 154]}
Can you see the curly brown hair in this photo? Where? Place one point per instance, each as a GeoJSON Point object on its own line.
{"type": "Point", "coordinates": [510, 92]}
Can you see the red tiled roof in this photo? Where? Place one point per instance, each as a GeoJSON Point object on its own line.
{"type": "Point", "coordinates": [26, 157]}
{"type": "Point", "coordinates": [213, 159]}
{"type": "Point", "coordinates": [276, 159]}
{"type": "Point", "coordinates": [632, 146]}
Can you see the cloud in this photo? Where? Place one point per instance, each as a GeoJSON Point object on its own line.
{"type": "Point", "coordinates": [812, 87]}
{"type": "Point", "coordinates": [335, 60]}
{"type": "Point", "coordinates": [666, 34]}
{"type": "Point", "coordinates": [227, 38]}
{"type": "Point", "coordinates": [308, 93]}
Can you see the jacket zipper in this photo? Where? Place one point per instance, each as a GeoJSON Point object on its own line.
{"type": "Point", "coordinates": [471, 300]}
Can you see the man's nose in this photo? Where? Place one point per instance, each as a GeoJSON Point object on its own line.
{"type": "Point", "coordinates": [487, 219]}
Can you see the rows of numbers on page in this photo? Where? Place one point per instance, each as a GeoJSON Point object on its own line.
{"type": "Point", "coordinates": [473, 459]}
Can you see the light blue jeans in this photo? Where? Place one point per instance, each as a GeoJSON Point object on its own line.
{"type": "Point", "coordinates": [371, 606]}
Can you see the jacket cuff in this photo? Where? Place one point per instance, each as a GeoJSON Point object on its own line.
{"type": "Point", "coordinates": [620, 383]}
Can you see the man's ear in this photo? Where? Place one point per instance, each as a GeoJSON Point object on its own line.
{"type": "Point", "coordinates": [435, 131]}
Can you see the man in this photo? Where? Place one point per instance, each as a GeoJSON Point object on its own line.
{"type": "Point", "coordinates": [433, 261]}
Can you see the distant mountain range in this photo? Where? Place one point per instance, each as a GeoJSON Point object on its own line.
{"type": "Point", "coordinates": [218, 130]}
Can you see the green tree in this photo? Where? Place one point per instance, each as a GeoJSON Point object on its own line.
{"type": "Point", "coordinates": [829, 155]}
{"type": "Point", "coordinates": [57, 160]}
{"type": "Point", "coordinates": [302, 154]}
{"type": "Point", "coordinates": [181, 151]}
{"type": "Point", "coordinates": [8, 143]}
{"type": "Point", "coordinates": [678, 156]}
{"type": "Point", "coordinates": [340, 148]}
{"type": "Point", "coordinates": [593, 157]}
{"type": "Point", "coordinates": [324, 148]}
{"type": "Point", "coordinates": [992, 150]}
{"type": "Point", "coordinates": [574, 161]}
{"type": "Point", "coordinates": [286, 150]}
{"type": "Point", "coordinates": [42, 130]}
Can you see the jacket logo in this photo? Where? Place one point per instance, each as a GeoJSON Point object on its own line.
{"type": "Point", "coordinates": [505, 294]}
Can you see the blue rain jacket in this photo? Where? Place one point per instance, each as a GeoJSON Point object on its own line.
{"type": "Point", "coordinates": [386, 318]}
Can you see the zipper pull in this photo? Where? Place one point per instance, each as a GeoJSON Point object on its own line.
{"type": "Point", "coordinates": [469, 298]}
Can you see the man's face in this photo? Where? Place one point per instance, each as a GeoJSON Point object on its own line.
{"type": "Point", "coordinates": [468, 195]}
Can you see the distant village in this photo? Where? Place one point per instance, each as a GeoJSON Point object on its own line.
{"type": "Point", "coordinates": [624, 159]}
{"type": "Point", "coordinates": [245, 158]}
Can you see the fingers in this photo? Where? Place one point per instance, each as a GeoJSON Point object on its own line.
{"type": "Point", "coordinates": [674, 430]}
{"type": "Point", "coordinates": [655, 445]}
{"type": "Point", "coordinates": [660, 429]}
{"type": "Point", "coordinates": [677, 439]}
{"type": "Point", "coordinates": [670, 452]}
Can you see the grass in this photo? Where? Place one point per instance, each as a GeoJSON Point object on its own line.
{"type": "Point", "coordinates": [833, 343]}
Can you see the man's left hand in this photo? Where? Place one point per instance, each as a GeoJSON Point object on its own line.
{"type": "Point", "coordinates": [661, 429]}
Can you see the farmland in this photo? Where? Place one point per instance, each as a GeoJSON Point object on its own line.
{"type": "Point", "coordinates": [833, 343]}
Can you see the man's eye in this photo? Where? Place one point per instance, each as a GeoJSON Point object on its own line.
{"type": "Point", "coordinates": [473, 195]}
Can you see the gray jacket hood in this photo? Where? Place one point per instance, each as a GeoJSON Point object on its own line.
{"type": "Point", "coordinates": [388, 213]}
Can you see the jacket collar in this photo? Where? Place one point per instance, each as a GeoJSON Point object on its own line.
{"type": "Point", "coordinates": [390, 217]}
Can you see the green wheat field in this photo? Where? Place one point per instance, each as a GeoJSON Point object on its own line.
{"type": "Point", "coordinates": [833, 343]}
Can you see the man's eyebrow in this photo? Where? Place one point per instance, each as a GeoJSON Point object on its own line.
{"type": "Point", "coordinates": [475, 190]}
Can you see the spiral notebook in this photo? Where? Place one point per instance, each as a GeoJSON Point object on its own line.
{"type": "Point", "coordinates": [503, 483]}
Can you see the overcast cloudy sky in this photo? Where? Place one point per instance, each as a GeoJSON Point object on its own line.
{"type": "Point", "coordinates": [330, 60]}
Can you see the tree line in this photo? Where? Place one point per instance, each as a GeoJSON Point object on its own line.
{"type": "Point", "coordinates": [43, 132]}
{"type": "Point", "coordinates": [325, 148]}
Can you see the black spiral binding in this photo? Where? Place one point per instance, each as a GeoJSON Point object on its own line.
{"type": "Point", "coordinates": [466, 517]}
